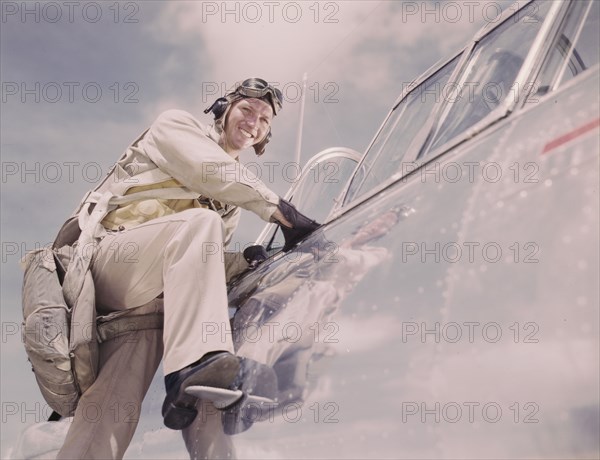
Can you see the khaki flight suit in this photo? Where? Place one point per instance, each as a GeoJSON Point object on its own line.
{"type": "Point", "coordinates": [170, 249]}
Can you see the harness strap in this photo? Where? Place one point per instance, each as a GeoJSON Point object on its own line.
{"type": "Point", "coordinates": [118, 326]}
{"type": "Point", "coordinates": [172, 193]}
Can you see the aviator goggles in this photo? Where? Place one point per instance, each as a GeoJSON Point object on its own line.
{"type": "Point", "coordinates": [259, 88]}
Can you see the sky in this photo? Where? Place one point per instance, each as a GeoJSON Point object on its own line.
{"type": "Point", "coordinates": [81, 80]}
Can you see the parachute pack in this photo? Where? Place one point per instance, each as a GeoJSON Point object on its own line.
{"type": "Point", "coordinates": [61, 341]}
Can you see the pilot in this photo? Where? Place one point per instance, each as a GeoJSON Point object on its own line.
{"type": "Point", "coordinates": [172, 249]}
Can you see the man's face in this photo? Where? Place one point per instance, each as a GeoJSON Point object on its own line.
{"type": "Point", "coordinates": [248, 122]}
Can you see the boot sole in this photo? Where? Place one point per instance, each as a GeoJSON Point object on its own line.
{"type": "Point", "coordinates": [220, 373]}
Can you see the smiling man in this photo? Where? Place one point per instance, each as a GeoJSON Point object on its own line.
{"type": "Point", "coordinates": [169, 245]}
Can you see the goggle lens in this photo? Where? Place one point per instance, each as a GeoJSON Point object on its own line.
{"type": "Point", "coordinates": [257, 88]}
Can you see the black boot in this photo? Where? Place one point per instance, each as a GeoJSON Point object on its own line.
{"type": "Point", "coordinates": [219, 370]}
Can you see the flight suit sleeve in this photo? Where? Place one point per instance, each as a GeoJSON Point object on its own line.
{"type": "Point", "coordinates": [180, 146]}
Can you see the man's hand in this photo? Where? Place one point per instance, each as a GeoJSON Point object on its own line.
{"type": "Point", "coordinates": [294, 225]}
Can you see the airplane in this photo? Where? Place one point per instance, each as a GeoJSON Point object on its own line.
{"type": "Point", "coordinates": [448, 305]}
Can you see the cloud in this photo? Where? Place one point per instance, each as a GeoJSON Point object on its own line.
{"type": "Point", "coordinates": [286, 40]}
{"type": "Point", "coordinates": [345, 42]}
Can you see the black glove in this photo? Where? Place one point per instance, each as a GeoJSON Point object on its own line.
{"type": "Point", "coordinates": [301, 225]}
{"type": "Point", "coordinates": [255, 255]}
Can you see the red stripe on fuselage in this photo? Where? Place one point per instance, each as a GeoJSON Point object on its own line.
{"type": "Point", "coordinates": [570, 136]}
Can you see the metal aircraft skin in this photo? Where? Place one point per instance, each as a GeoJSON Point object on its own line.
{"type": "Point", "coordinates": [448, 307]}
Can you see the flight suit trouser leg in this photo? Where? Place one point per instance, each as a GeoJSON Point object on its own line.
{"type": "Point", "coordinates": [205, 437]}
{"type": "Point", "coordinates": [180, 255]}
{"type": "Point", "coordinates": [108, 412]}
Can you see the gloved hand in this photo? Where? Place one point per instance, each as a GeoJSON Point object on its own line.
{"type": "Point", "coordinates": [255, 255]}
{"type": "Point", "coordinates": [301, 225]}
